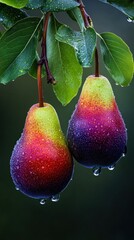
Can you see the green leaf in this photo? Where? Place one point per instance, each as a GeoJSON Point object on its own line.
{"type": "Point", "coordinates": [35, 4]}
{"type": "Point", "coordinates": [76, 15]}
{"type": "Point", "coordinates": [127, 6]}
{"type": "Point", "coordinates": [53, 5]}
{"type": "Point", "coordinates": [64, 66]}
{"type": "Point", "coordinates": [84, 43]}
{"type": "Point", "coordinates": [18, 49]}
{"type": "Point", "coordinates": [59, 5]}
{"type": "Point", "coordinates": [118, 58]}
{"type": "Point", "coordinates": [15, 3]}
{"type": "Point", "coordinates": [34, 67]}
{"type": "Point", "coordinates": [9, 15]}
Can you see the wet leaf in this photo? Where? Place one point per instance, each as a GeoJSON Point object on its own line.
{"type": "Point", "coordinates": [15, 3]}
{"type": "Point", "coordinates": [64, 66]}
{"type": "Point", "coordinates": [84, 43]}
{"type": "Point", "coordinates": [18, 49]}
{"type": "Point", "coordinates": [9, 15]}
{"type": "Point", "coordinates": [118, 58]}
{"type": "Point", "coordinates": [53, 5]}
{"type": "Point", "coordinates": [75, 14]}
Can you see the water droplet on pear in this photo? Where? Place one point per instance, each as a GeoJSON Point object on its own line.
{"type": "Point", "coordinates": [96, 171]}
{"type": "Point", "coordinates": [42, 202]}
{"type": "Point", "coordinates": [111, 168]}
{"type": "Point", "coordinates": [55, 198]}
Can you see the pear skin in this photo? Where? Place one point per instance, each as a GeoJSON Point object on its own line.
{"type": "Point", "coordinates": [97, 134]}
{"type": "Point", "coordinates": [41, 165]}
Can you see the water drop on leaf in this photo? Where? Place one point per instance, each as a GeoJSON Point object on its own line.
{"type": "Point", "coordinates": [130, 20]}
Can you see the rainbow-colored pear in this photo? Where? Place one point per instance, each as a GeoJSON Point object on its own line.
{"type": "Point", "coordinates": [41, 165]}
{"type": "Point", "coordinates": [97, 135]}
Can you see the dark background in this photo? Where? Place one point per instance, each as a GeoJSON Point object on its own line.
{"type": "Point", "coordinates": [96, 208]}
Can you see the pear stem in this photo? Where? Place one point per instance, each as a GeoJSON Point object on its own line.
{"type": "Point", "coordinates": [40, 92]}
{"type": "Point", "coordinates": [43, 61]}
{"type": "Point", "coordinates": [96, 63]}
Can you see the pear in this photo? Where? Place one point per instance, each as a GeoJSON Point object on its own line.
{"type": "Point", "coordinates": [97, 135]}
{"type": "Point", "coordinates": [41, 165]}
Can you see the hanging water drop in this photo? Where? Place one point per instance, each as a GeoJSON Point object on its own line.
{"type": "Point", "coordinates": [17, 189]}
{"type": "Point", "coordinates": [130, 20]}
{"type": "Point", "coordinates": [42, 201]}
{"type": "Point", "coordinates": [55, 198]}
{"type": "Point", "coordinates": [97, 171]}
{"type": "Point", "coordinates": [111, 168]}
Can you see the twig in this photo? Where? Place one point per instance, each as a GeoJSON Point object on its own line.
{"type": "Point", "coordinates": [43, 61]}
{"type": "Point", "coordinates": [87, 19]}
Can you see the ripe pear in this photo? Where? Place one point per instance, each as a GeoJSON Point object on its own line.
{"type": "Point", "coordinates": [97, 135]}
{"type": "Point", "coordinates": [41, 165]}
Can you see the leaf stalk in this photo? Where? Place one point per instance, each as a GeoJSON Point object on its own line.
{"type": "Point", "coordinates": [44, 61]}
{"type": "Point", "coordinates": [87, 19]}
{"type": "Point", "coordinates": [88, 23]}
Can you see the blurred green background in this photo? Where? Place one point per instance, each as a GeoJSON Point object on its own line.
{"type": "Point", "coordinates": [91, 208]}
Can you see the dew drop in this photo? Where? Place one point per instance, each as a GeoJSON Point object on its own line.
{"type": "Point", "coordinates": [17, 189]}
{"type": "Point", "coordinates": [123, 155]}
{"type": "Point", "coordinates": [42, 201]}
{"type": "Point", "coordinates": [55, 198]}
{"type": "Point", "coordinates": [111, 168]}
{"type": "Point", "coordinates": [96, 171]}
{"type": "Point", "coordinates": [130, 20]}
{"type": "Point", "coordinates": [125, 150]}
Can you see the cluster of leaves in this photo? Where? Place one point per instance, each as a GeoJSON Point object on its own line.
{"type": "Point", "coordinates": [68, 51]}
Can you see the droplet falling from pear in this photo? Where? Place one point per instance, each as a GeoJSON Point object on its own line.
{"type": "Point", "coordinates": [97, 134]}
{"type": "Point", "coordinates": [41, 165]}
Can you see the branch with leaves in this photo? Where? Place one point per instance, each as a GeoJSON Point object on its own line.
{"type": "Point", "coordinates": [65, 52]}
